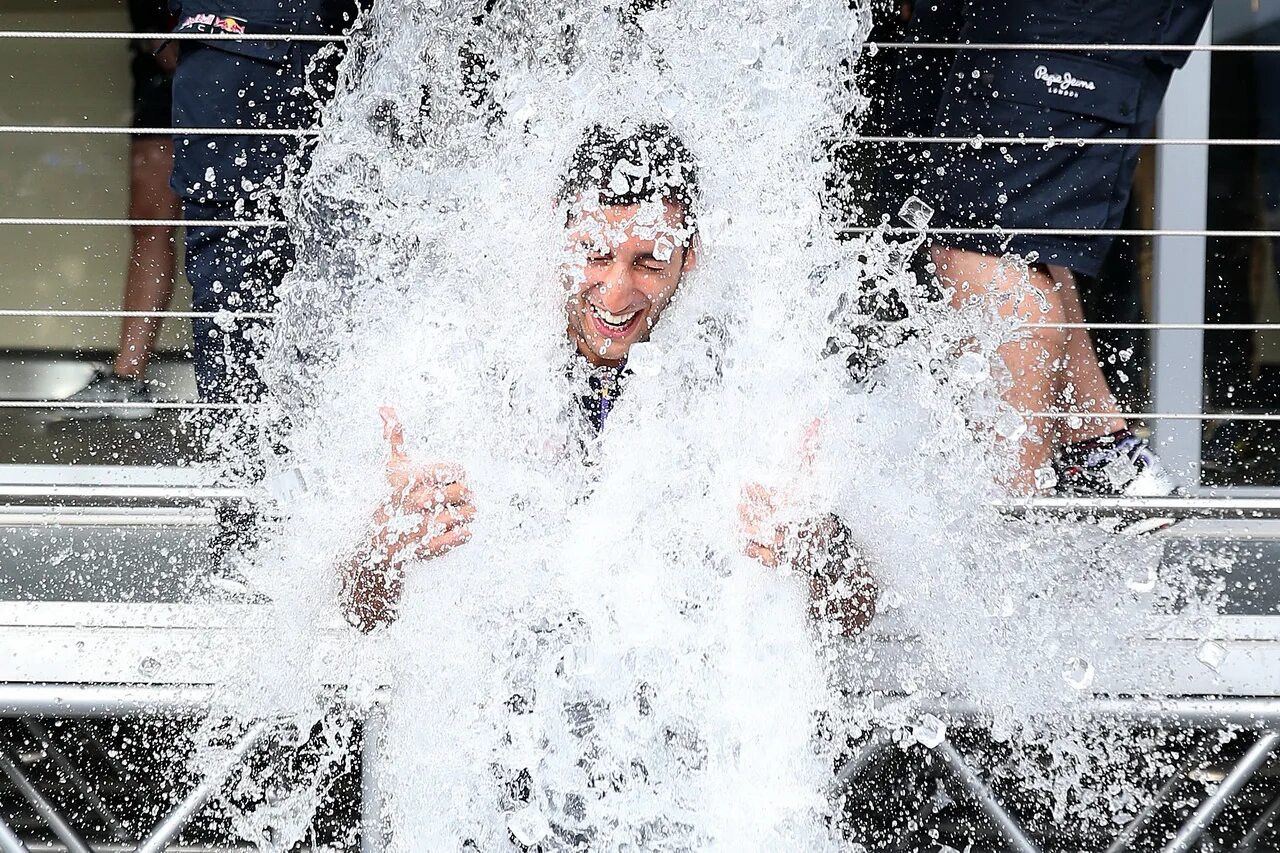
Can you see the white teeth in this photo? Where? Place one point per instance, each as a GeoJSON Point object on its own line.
{"type": "Point", "coordinates": [611, 318]}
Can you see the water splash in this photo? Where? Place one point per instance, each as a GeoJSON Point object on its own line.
{"type": "Point", "coordinates": [601, 666]}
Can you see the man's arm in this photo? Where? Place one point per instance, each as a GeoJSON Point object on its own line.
{"type": "Point", "coordinates": [842, 589]}
{"type": "Point", "coordinates": [426, 516]}
{"type": "Point", "coordinates": [372, 583]}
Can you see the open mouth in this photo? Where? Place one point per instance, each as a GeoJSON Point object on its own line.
{"type": "Point", "coordinates": [613, 325]}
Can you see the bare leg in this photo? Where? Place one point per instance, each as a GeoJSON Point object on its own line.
{"type": "Point", "coordinates": [149, 280]}
{"type": "Point", "coordinates": [1084, 387]}
{"type": "Point", "coordinates": [1045, 361]}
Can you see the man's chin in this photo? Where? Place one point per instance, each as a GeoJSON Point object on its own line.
{"type": "Point", "coordinates": [606, 351]}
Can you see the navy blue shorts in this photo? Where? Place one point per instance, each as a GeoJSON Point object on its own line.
{"type": "Point", "coordinates": [981, 94]}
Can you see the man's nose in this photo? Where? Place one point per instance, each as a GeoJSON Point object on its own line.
{"type": "Point", "coordinates": [613, 290]}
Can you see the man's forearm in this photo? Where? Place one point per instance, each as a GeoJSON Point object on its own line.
{"type": "Point", "coordinates": [371, 587]}
{"type": "Point", "coordinates": [842, 589]}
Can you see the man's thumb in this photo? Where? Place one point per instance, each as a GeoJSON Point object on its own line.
{"type": "Point", "coordinates": [392, 430]}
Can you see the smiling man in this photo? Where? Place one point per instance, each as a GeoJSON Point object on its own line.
{"type": "Point", "coordinates": [631, 218]}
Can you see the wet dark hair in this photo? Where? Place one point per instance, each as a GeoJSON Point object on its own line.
{"type": "Point", "coordinates": [605, 164]}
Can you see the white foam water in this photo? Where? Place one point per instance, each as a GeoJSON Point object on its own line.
{"type": "Point", "coordinates": [601, 667]}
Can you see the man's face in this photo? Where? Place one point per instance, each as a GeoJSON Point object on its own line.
{"type": "Point", "coordinates": [625, 264]}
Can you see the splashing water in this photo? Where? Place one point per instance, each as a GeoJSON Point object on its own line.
{"type": "Point", "coordinates": [601, 666]}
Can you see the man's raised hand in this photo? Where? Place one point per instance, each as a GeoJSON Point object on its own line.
{"type": "Point", "coordinates": [429, 511]}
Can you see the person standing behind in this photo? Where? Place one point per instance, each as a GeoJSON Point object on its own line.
{"type": "Point", "coordinates": [243, 83]}
{"type": "Point", "coordinates": [149, 278]}
{"type": "Point", "coordinates": [1088, 92]}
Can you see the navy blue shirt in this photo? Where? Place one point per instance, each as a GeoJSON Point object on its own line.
{"type": "Point", "coordinates": [304, 17]}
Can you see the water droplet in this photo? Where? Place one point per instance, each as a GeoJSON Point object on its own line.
{"type": "Point", "coordinates": [1078, 673]}
{"type": "Point", "coordinates": [149, 666]}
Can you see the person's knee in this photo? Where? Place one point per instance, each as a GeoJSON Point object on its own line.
{"type": "Point", "coordinates": [973, 275]}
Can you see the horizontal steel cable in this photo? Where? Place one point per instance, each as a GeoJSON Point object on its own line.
{"type": "Point", "coordinates": [976, 141]}
{"type": "Point", "coordinates": [1049, 141]}
{"type": "Point", "coordinates": [63, 129]}
{"type": "Point", "coordinates": [66, 312]}
{"type": "Point", "coordinates": [844, 229]}
{"type": "Point", "coordinates": [1109, 47]}
{"type": "Point", "coordinates": [1169, 416]}
{"type": "Point", "coordinates": [1158, 416]}
{"type": "Point", "coordinates": [149, 404]}
{"type": "Point", "coordinates": [39, 313]}
{"type": "Point", "coordinates": [1060, 232]}
{"type": "Point", "coordinates": [870, 45]}
{"type": "Point", "coordinates": [155, 223]}
{"type": "Point", "coordinates": [116, 34]}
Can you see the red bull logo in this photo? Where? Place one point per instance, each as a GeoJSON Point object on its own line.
{"type": "Point", "coordinates": [214, 22]}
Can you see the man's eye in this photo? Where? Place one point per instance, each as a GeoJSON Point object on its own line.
{"type": "Point", "coordinates": [653, 266]}
{"type": "Point", "coordinates": [597, 259]}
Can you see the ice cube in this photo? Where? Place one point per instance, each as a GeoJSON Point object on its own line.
{"type": "Point", "coordinates": [1009, 425]}
{"type": "Point", "coordinates": [529, 825]}
{"type": "Point", "coordinates": [971, 368]}
{"type": "Point", "coordinates": [645, 359]}
{"type": "Point", "coordinates": [1046, 478]}
{"type": "Point", "coordinates": [663, 247]}
{"type": "Point", "coordinates": [929, 731]}
{"type": "Point", "coordinates": [1144, 581]}
{"type": "Point", "coordinates": [1120, 471]}
{"type": "Point", "coordinates": [1078, 673]}
{"type": "Point", "coordinates": [286, 485]}
{"type": "Point", "coordinates": [149, 666]}
{"type": "Point", "coordinates": [1211, 653]}
{"type": "Point", "coordinates": [618, 183]}
{"type": "Point", "coordinates": [916, 213]}
{"type": "Point", "coordinates": [671, 103]}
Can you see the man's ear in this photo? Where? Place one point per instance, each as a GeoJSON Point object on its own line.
{"type": "Point", "coordinates": [690, 259]}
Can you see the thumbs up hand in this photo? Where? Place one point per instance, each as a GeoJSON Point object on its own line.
{"type": "Point", "coordinates": [429, 511]}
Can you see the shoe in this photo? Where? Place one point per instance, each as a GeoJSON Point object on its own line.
{"type": "Point", "coordinates": [1117, 465]}
{"type": "Point", "coordinates": [106, 387]}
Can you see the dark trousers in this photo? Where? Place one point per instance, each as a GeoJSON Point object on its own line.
{"type": "Point", "coordinates": [236, 270]}
{"type": "Point", "coordinates": [232, 84]}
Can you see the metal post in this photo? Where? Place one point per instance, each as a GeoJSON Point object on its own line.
{"type": "Point", "coordinates": [9, 840]}
{"type": "Point", "coordinates": [856, 764]}
{"type": "Point", "coordinates": [1259, 828]}
{"type": "Point", "coordinates": [1139, 822]}
{"type": "Point", "coordinates": [63, 830]}
{"type": "Point", "coordinates": [977, 788]}
{"type": "Point", "coordinates": [1213, 805]}
{"type": "Point", "coordinates": [168, 829]}
{"type": "Point", "coordinates": [76, 778]}
{"type": "Point", "coordinates": [1182, 190]}
{"type": "Point", "coordinates": [372, 828]}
